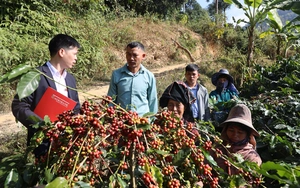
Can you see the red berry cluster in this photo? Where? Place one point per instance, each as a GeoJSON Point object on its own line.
{"type": "Point", "coordinates": [148, 180]}
{"type": "Point", "coordinates": [207, 145]}
{"type": "Point", "coordinates": [105, 142]}
{"type": "Point", "coordinates": [174, 183]}
{"type": "Point", "coordinates": [168, 170]}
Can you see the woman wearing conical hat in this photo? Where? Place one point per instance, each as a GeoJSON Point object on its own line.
{"type": "Point", "coordinates": [239, 134]}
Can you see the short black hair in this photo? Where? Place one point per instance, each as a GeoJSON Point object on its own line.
{"type": "Point", "coordinates": [62, 41]}
{"type": "Point", "coordinates": [192, 67]}
{"type": "Point", "coordinates": [136, 45]}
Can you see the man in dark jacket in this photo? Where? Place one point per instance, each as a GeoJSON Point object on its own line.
{"type": "Point", "coordinates": [63, 55]}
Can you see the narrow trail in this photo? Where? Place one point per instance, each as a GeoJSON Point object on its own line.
{"type": "Point", "coordinates": [9, 126]}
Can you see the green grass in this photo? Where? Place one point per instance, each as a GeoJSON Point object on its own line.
{"type": "Point", "coordinates": [13, 144]}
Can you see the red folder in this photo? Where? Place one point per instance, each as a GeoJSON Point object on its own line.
{"type": "Point", "coordinates": [53, 103]}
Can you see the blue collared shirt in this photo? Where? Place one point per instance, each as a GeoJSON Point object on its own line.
{"type": "Point", "coordinates": [200, 107]}
{"type": "Point", "coordinates": [195, 107]}
{"type": "Point", "coordinates": [135, 92]}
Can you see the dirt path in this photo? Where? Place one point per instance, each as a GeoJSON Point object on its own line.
{"type": "Point", "coordinates": [9, 126]}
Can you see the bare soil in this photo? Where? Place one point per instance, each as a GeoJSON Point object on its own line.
{"type": "Point", "coordinates": [9, 126]}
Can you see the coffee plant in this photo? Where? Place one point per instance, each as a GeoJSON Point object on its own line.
{"type": "Point", "coordinates": [275, 105]}
{"type": "Point", "coordinates": [107, 146]}
{"type": "Point", "coordinates": [272, 94]}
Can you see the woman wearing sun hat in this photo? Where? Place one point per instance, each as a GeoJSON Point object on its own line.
{"type": "Point", "coordinates": [223, 94]}
{"type": "Point", "coordinates": [225, 89]}
{"type": "Point", "coordinates": [238, 132]}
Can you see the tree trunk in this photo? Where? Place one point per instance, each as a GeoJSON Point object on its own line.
{"type": "Point", "coordinates": [278, 46]}
{"type": "Point", "coordinates": [224, 22]}
{"type": "Point", "coordinates": [250, 45]}
{"type": "Point", "coordinates": [217, 7]}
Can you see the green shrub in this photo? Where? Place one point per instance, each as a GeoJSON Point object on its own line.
{"type": "Point", "coordinates": [275, 104]}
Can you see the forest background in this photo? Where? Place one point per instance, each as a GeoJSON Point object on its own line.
{"type": "Point", "coordinates": [262, 56]}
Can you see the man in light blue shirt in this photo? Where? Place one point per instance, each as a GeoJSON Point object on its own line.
{"type": "Point", "coordinates": [133, 86]}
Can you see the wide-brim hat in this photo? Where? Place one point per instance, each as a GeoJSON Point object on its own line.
{"type": "Point", "coordinates": [240, 113]}
{"type": "Point", "coordinates": [215, 76]}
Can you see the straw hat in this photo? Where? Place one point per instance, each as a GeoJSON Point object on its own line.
{"type": "Point", "coordinates": [215, 77]}
{"type": "Point", "coordinates": [240, 113]}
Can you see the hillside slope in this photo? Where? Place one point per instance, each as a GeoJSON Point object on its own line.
{"type": "Point", "coordinates": [159, 39]}
{"type": "Point", "coordinates": [166, 44]}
